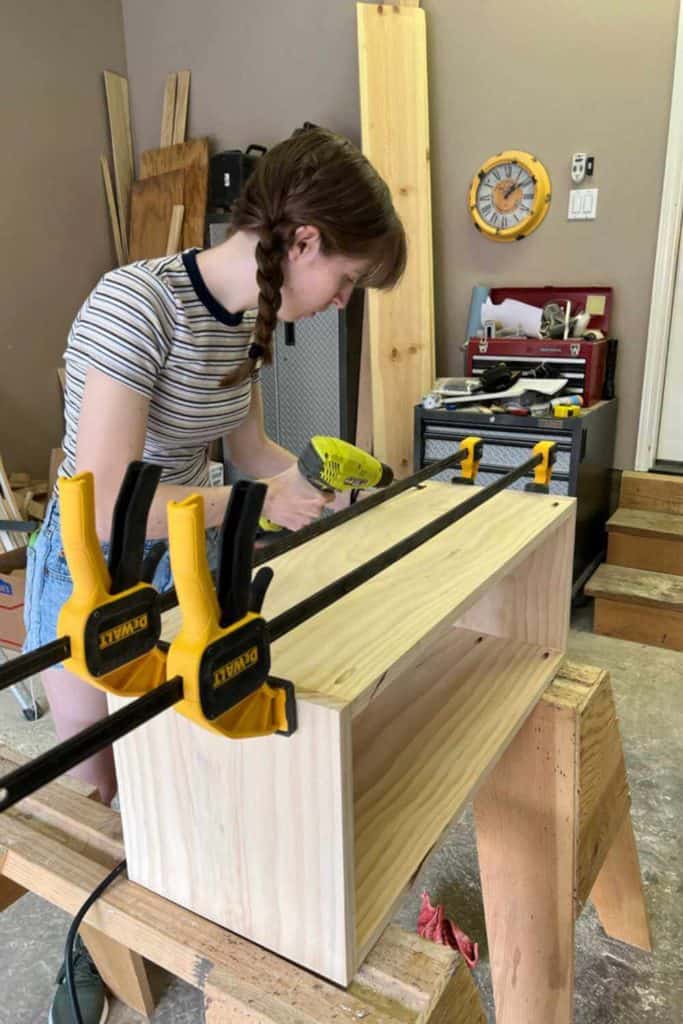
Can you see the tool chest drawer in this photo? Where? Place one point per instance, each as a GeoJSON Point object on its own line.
{"type": "Point", "coordinates": [438, 444]}
{"type": "Point", "coordinates": [583, 465]}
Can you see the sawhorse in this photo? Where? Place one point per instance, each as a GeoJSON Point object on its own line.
{"type": "Point", "coordinates": [553, 827]}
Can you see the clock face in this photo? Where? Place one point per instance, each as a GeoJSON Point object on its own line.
{"type": "Point", "coordinates": [509, 196]}
{"type": "Point", "coordinates": [505, 196]}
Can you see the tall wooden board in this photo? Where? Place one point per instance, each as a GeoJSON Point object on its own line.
{"type": "Point", "coordinates": [116, 88]}
{"type": "Point", "coordinates": [392, 57]}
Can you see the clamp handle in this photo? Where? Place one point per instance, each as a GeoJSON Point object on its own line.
{"type": "Point", "coordinates": [469, 467]}
{"type": "Point", "coordinates": [113, 634]}
{"type": "Point", "coordinates": [222, 650]}
{"type": "Point", "coordinates": [544, 470]}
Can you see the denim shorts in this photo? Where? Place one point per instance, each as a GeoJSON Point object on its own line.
{"type": "Point", "coordinates": [48, 582]}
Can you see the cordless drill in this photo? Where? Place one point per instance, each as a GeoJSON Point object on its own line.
{"type": "Point", "coordinates": [330, 464]}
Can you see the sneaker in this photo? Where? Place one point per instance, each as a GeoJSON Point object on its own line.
{"type": "Point", "coordinates": [92, 1000]}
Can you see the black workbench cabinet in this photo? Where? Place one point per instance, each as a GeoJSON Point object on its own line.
{"type": "Point", "coordinates": [585, 457]}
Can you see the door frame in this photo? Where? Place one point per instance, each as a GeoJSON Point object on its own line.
{"type": "Point", "coordinates": [665, 273]}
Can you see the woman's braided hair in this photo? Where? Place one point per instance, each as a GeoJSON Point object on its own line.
{"type": "Point", "coordinates": [319, 179]}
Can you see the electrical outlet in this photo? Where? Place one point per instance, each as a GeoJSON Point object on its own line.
{"type": "Point", "coordinates": [578, 167]}
{"type": "Point", "coordinates": [583, 204]}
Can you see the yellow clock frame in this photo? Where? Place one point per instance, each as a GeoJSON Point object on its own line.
{"type": "Point", "coordinates": [540, 205]}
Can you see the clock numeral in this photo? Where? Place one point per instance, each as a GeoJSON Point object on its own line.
{"type": "Point", "coordinates": [508, 171]}
{"type": "Point", "coordinates": [496, 175]}
{"type": "Point", "coordinates": [527, 195]}
{"type": "Point", "coordinates": [504, 222]}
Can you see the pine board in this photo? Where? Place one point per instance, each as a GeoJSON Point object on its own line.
{"type": "Point", "coordinates": [420, 752]}
{"type": "Point", "coordinates": [653, 554]}
{"type": "Point", "coordinates": [193, 158]}
{"type": "Point", "coordinates": [152, 203]}
{"type": "Point", "coordinates": [283, 840]}
{"type": "Point", "coordinates": [637, 586]}
{"type": "Point", "coordinates": [181, 104]}
{"type": "Point", "coordinates": [646, 523]}
{"type": "Point", "coordinates": [168, 109]}
{"type": "Point", "coordinates": [116, 88]}
{"type": "Point", "coordinates": [659, 492]}
{"type": "Point", "coordinates": [657, 627]}
{"type": "Point", "coordinates": [392, 55]}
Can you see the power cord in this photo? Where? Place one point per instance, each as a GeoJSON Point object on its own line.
{"type": "Point", "coordinates": [73, 931]}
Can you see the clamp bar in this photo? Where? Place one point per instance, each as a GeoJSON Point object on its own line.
{"type": "Point", "coordinates": [59, 759]}
{"type": "Point", "coordinates": [316, 529]}
{"type": "Point", "coordinates": [317, 602]}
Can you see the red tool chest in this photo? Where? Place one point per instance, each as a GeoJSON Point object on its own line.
{"type": "Point", "coordinates": [581, 361]}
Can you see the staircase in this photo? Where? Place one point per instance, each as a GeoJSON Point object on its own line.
{"type": "Point", "coordinates": [639, 590]}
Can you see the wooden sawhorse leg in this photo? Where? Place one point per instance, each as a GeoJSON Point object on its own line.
{"type": "Point", "coordinates": [553, 825]}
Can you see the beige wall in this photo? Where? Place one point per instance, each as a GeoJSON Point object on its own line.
{"type": "Point", "coordinates": [550, 76]}
{"type": "Point", "coordinates": [55, 234]}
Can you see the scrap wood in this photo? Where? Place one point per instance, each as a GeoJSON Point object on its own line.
{"type": "Point", "coordinates": [433, 924]}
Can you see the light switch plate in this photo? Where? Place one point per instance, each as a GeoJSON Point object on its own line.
{"type": "Point", "coordinates": [583, 204]}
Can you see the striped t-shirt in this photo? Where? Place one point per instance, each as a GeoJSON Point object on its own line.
{"type": "Point", "coordinates": [156, 328]}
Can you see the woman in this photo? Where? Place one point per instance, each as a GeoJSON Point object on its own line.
{"type": "Point", "coordinates": [163, 358]}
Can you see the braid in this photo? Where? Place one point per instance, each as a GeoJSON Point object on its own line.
{"type": "Point", "coordinates": [269, 277]}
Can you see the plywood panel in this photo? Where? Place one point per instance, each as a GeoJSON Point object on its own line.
{"type": "Point", "coordinates": [392, 57]}
{"type": "Point", "coordinates": [421, 749]}
{"type": "Point", "coordinates": [260, 830]}
{"type": "Point", "coordinates": [193, 158]}
{"type": "Point", "coordinates": [152, 203]}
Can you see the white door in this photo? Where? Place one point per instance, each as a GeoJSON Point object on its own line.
{"type": "Point", "coordinates": [670, 441]}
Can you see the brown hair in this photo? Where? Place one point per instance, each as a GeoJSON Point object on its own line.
{"type": "Point", "coordinates": [319, 179]}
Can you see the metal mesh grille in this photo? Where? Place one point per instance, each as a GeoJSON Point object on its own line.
{"type": "Point", "coordinates": [302, 393]}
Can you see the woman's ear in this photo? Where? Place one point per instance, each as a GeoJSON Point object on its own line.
{"type": "Point", "coordinates": [306, 244]}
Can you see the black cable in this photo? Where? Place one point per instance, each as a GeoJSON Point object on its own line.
{"type": "Point", "coordinates": [73, 931]}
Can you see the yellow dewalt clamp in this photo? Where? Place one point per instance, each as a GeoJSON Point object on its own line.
{"type": "Point", "coordinates": [469, 467]}
{"type": "Point", "coordinates": [112, 618]}
{"type": "Point", "coordinates": [222, 651]}
{"type": "Point", "coordinates": [544, 470]}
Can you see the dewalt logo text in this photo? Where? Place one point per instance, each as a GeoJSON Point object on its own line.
{"type": "Point", "coordinates": [109, 637]}
{"type": "Point", "coordinates": [234, 668]}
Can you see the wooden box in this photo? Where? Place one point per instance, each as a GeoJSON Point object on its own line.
{"type": "Point", "coordinates": [409, 690]}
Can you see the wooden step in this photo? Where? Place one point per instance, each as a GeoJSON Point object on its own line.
{"type": "Point", "coordinates": [632, 604]}
{"type": "Point", "coordinates": [642, 539]}
{"type": "Point", "coordinates": [657, 492]}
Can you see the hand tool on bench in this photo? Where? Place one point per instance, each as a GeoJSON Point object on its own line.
{"type": "Point", "coordinates": [50, 654]}
{"type": "Point", "coordinates": [212, 689]}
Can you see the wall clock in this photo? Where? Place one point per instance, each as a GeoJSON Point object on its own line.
{"type": "Point", "coordinates": [509, 196]}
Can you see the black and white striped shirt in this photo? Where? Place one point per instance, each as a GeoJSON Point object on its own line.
{"type": "Point", "coordinates": [154, 327]}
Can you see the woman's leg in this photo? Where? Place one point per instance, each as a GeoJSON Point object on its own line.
{"type": "Point", "coordinates": [75, 705]}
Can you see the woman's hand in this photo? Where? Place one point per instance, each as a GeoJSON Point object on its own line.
{"type": "Point", "coordinates": [291, 501]}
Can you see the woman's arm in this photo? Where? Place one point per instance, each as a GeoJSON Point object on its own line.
{"type": "Point", "coordinates": [111, 433]}
{"type": "Point", "coordinates": [251, 450]}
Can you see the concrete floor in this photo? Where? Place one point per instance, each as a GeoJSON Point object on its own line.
{"type": "Point", "coordinates": [615, 984]}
